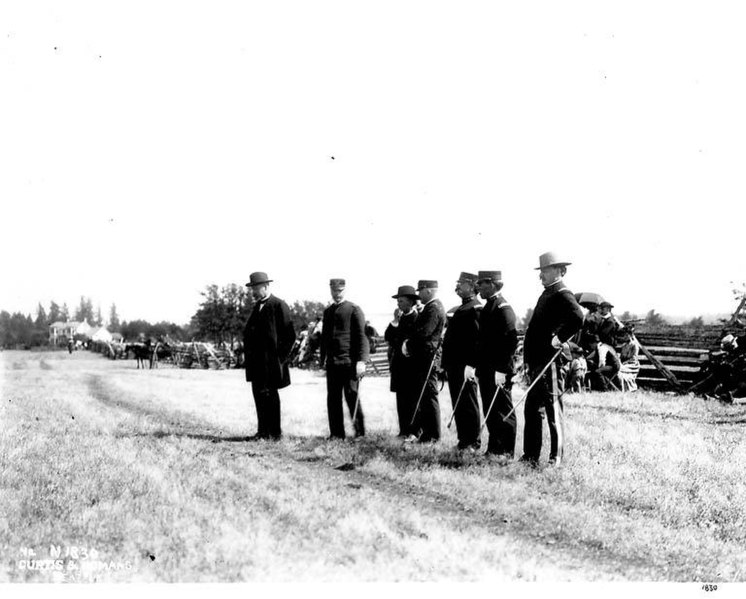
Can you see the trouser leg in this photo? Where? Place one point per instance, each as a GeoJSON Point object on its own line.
{"type": "Point", "coordinates": [429, 412]}
{"type": "Point", "coordinates": [334, 386]}
{"type": "Point", "coordinates": [274, 421]}
{"type": "Point", "coordinates": [259, 391]}
{"type": "Point", "coordinates": [533, 412]}
{"type": "Point", "coordinates": [352, 397]}
{"type": "Point", "coordinates": [556, 422]}
{"type": "Point", "coordinates": [466, 408]}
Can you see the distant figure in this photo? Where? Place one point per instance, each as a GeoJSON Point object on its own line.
{"type": "Point", "coordinates": [70, 345]}
{"type": "Point", "coordinates": [267, 340]}
{"type": "Point", "coordinates": [629, 355]}
{"type": "Point", "coordinates": [371, 334]}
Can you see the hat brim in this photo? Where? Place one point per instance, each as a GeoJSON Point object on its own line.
{"type": "Point", "coordinates": [250, 284]}
{"type": "Point", "coordinates": [553, 264]}
{"type": "Point", "coordinates": [409, 295]}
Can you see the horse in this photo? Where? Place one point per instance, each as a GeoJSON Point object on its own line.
{"type": "Point", "coordinates": [142, 352]}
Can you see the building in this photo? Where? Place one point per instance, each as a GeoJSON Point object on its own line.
{"type": "Point", "coordinates": [60, 332]}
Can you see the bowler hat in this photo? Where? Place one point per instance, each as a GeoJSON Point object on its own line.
{"type": "Point", "coordinates": [493, 276]}
{"type": "Point", "coordinates": [258, 278]}
{"type": "Point", "coordinates": [337, 283]}
{"type": "Point", "coordinates": [551, 259]}
{"type": "Point", "coordinates": [406, 291]}
{"type": "Point", "coordinates": [467, 277]}
{"type": "Point", "coordinates": [426, 284]}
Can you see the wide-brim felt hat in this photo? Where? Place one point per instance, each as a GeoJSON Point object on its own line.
{"type": "Point", "coordinates": [258, 278]}
{"type": "Point", "coordinates": [551, 259]}
{"type": "Point", "coordinates": [495, 276]}
{"type": "Point", "coordinates": [406, 291]}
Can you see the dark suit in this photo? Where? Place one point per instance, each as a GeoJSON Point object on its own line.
{"type": "Point", "coordinates": [424, 348]}
{"type": "Point", "coordinates": [460, 350]}
{"type": "Point", "coordinates": [497, 343]}
{"type": "Point", "coordinates": [403, 377]}
{"type": "Point", "coordinates": [556, 313]}
{"type": "Point", "coordinates": [267, 340]}
{"type": "Point", "coordinates": [343, 345]}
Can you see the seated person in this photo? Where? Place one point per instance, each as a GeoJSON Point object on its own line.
{"type": "Point", "coordinates": [603, 365]}
{"type": "Point", "coordinates": [629, 357]}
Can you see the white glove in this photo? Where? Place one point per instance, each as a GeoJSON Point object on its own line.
{"type": "Point", "coordinates": [404, 349]}
{"type": "Point", "coordinates": [500, 378]}
{"type": "Point", "coordinates": [470, 373]}
{"type": "Point", "coordinates": [556, 343]}
{"type": "Point", "coordinates": [360, 369]}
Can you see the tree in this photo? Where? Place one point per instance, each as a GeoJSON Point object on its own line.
{"type": "Point", "coordinates": [303, 313]}
{"type": "Point", "coordinates": [55, 314]}
{"type": "Point", "coordinates": [84, 311]}
{"type": "Point", "coordinates": [627, 316]}
{"type": "Point", "coordinates": [98, 320]}
{"type": "Point", "coordinates": [653, 319]}
{"type": "Point", "coordinates": [223, 313]}
{"type": "Point", "coordinates": [697, 322]}
{"type": "Point", "coordinates": [64, 313]}
{"type": "Point", "coordinates": [114, 324]}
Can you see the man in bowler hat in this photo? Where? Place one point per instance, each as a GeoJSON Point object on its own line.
{"type": "Point", "coordinates": [460, 350]}
{"type": "Point", "coordinates": [403, 377]}
{"type": "Point", "coordinates": [268, 338]}
{"type": "Point", "coordinates": [423, 346]}
{"type": "Point", "coordinates": [496, 347]}
{"type": "Point", "coordinates": [344, 351]}
{"type": "Point", "coordinates": [557, 317]}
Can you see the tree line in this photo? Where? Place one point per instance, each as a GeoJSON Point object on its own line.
{"type": "Point", "coordinates": [219, 318]}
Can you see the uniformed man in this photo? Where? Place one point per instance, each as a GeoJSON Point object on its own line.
{"type": "Point", "coordinates": [403, 376]}
{"type": "Point", "coordinates": [496, 347]}
{"type": "Point", "coordinates": [423, 346]}
{"type": "Point", "coordinates": [268, 338]}
{"type": "Point", "coordinates": [556, 318]}
{"type": "Point", "coordinates": [608, 326]}
{"type": "Point", "coordinates": [459, 351]}
{"type": "Point", "coordinates": [344, 351]}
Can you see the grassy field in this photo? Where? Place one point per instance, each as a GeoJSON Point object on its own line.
{"type": "Point", "coordinates": [148, 474]}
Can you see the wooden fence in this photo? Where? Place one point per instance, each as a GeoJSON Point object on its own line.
{"type": "Point", "coordinates": [682, 351]}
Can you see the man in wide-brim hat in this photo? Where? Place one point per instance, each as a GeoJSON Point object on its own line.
{"type": "Point", "coordinates": [268, 338]}
{"type": "Point", "coordinates": [403, 377]}
{"type": "Point", "coordinates": [556, 318]}
{"type": "Point", "coordinates": [460, 351]}
{"type": "Point", "coordinates": [344, 352]}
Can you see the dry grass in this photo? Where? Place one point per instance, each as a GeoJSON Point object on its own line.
{"type": "Point", "coordinates": [150, 469]}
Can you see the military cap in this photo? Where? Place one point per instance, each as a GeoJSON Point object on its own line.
{"type": "Point", "coordinates": [493, 276]}
{"type": "Point", "coordinates": [406, 291]}
{"type": "Point", "coordinates": [426, 284]}
{"type": "Point", "coordinates": [551, 259]}
{"type": "Point", "coordinates": [467, 277]}
{"type": "Point", "coordinates": [605, 303]}
{"type": "Point", "coordinates": [337, 283]}
{"type": "Point", "coordinates": [258, 278]}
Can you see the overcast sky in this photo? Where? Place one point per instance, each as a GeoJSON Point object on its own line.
{"type": "Point", "coordinates": [149, 149]}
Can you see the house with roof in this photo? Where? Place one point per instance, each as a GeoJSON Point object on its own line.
{"type": "Point", "coordinates": [60, 332]}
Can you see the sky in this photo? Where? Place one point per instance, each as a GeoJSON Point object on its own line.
{"type": "Point", "coordinates": [148, 149]}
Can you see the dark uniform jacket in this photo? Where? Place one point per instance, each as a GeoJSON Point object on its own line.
{"type": "Point", "coordinates": [343, 340]}
{"type": "Point", "coordinates": [425, 339]}
{"type": "Point", "coordinates": [401, 369]}
{"type": "Point", "coordinates": [607, 330]}
{"type": "Point", "coordinates": [462, 331]}
{"type": "Point", "coordinates": [267, 340]}
{"type": "Point", "coordinates": [556, 313]}
{"type": "Point", "coordinates": [498, 337]}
